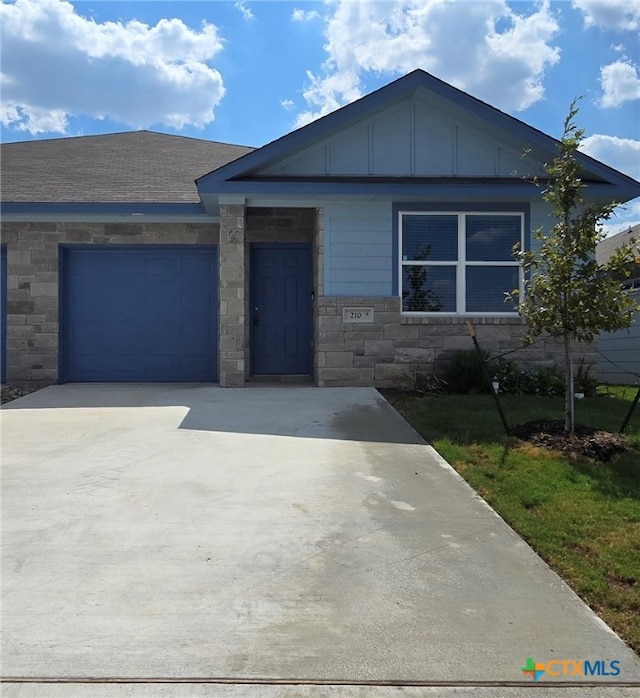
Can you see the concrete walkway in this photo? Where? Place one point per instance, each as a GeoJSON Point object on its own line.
{"type": "Point", "coordinates": [266, 532]}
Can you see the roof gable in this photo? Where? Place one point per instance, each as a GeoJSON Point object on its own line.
{"type": "Point", "coordinates": [416, 137]}
{"type": "Point", "coordinates": [416, 127]}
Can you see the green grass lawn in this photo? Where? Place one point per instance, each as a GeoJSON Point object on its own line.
{"type": "Point", "coordinates": [582, 517]}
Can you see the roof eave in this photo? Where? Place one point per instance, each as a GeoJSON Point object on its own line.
{"type": "Point", "coordinates": [596, 191]}
{"type": "Point", "coordinates": [24, 212]}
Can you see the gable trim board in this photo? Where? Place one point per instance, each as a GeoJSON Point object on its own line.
{"type": "Point", "coordinates": [337, 186]}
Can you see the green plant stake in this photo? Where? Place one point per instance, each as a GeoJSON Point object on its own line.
{"type": "Point", "coordinates": [474, 339]}
{"type": "Point", "coordinates": [627, 418]}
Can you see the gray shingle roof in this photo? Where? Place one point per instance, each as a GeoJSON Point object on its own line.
{"type": "Point", "coordinates": [606, 247]}
{"type": "Point", "coordinates": [132, 167]}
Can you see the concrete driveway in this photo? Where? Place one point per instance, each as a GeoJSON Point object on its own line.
{"type": "Point", "coordinates": [272, 532]}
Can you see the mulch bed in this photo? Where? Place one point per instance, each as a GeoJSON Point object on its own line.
{"type": "Point", "coordinates": [13, 392]}
{"type": "Point", "coordinates": [585, 442]}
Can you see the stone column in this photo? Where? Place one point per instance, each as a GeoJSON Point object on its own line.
{"type": "Point", "coordinates": [318, 279]}
{"type": "Point", "coordinates": [232, 301]}
{"type": "Point", "coordinates": [32, 302]}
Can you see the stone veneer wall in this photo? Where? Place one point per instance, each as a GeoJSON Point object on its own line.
{"type": "Point", "coordinates": [239, 227]}
{"type": "Point", "coordinates": [232, 296]}
{"type": "Point", "coordinates": [381, 353]}
{"type": "Point", "coordinates": [32, 282]}
{"type": "Point", "coordinates": [393, 347]}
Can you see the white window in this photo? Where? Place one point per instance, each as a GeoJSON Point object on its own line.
{"type": "Point", "coordinates": [458, 263]}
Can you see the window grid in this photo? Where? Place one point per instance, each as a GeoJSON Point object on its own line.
{"type": "Point", "coordinates": [461, 264]}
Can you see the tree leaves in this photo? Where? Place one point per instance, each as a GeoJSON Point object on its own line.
{"type": "Point", "coordinates": [567, 293]}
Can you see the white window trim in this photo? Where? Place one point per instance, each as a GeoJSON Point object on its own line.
{"type": "Point", "coordinates": [460, 264]}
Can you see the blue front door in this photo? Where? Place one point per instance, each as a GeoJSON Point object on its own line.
{"type": "Point", "coordinates": [139, 313]}
{"type": "Point", "coordinates": [281, 309]}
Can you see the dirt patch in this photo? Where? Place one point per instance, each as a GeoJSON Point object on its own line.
{"type": "Point", "coordinates": [585, 442]}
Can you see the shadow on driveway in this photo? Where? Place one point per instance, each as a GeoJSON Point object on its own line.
{"type": "Point", "coordinates": [283, 533]}
{"type": "Point", "coordinates": [353, 414]}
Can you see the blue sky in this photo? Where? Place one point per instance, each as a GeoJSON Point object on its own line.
{"type": "Point", "coordinates": [249, 72]}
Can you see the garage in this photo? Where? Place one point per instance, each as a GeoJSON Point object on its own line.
{"type": "Point", "coordinates": [139, 313]}
{"type": "Point", "coordinates": [3, 312]}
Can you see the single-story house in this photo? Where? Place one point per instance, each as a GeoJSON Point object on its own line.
{"type": "Point", "coordinates": [619, 352]}
{"type": "Point", "coordinates": [351, 251]}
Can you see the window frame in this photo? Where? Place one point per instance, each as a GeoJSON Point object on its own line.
{"type": "Point", "coordinates": [461, 264]}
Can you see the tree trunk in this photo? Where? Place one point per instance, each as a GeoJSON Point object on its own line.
{"type": "Point", "coordinates": [569, 392]}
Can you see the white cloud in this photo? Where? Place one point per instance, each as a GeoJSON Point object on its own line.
{"type": "Point", "coordinates": [246, 12]}
{"type": "Point", "coordinates": [610, 14]}
{"type": "Point", "coordinates": [299, 15]}
{"type": "Point", "coordinates": [33, 120]}
{"type": "Point", "coordinates": [486, 48]}
{"type": "Point", "coordinates": [287, 104]}
{"type": "Point", "coordinates": [57, 64]}
{"type": "Point", "coordinates": [620, 83]}
{"type": "Point", "coordinates": [624, 217]}
{"type": "Point", "coordinates": [623, 154]}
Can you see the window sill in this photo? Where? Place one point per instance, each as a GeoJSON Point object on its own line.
{"type": "Point", "coordinates": [511, 319]}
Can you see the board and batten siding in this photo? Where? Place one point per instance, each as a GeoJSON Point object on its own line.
{"type": "Point", "coordinates": [623, 349]}
{"type": "Point", "coordinates": [358, 249]}
{"type": "Point", "coordinates": [421, 138]}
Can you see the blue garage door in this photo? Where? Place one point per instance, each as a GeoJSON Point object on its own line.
{"type": "Point", "coordinates": [145, 313]}
{"type": "Point", "coordinates": [3, 313]}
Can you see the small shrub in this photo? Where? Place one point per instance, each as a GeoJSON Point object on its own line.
{"type": "Point", "coordinates": [465, 372]}
{"type": "Point", "coordinates": [424, 382]}
{"type": "Point", "coordinates": [585, 379]}
{"type": "Point", "coordinates": [547, 380]}
{"type": "Point", "coordinates": [508, 374]}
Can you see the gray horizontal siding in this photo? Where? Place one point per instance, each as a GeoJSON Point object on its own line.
{"type": "Point", "coordinates": [361, 276]}
{"type": "Point", "coordinates": [358, 249]}
{"type": "Point", "coordinates": [376, 262]}
{"type": "Point", "coordinates": [541, 218]}
{"type": "Point", "coordinates": [365, 289]}
{"type": "Point", "coordinates": [623, 349]}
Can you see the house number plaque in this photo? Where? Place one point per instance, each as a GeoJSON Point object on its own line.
{"type": "Point", "coordinates": [361, 315]}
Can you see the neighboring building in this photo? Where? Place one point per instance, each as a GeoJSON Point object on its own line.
{"type": "Point", "coordinates": [619, 352]}
{"type": "Point", "coordinates": [350, 251]}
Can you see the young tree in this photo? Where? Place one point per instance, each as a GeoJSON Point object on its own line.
{"type": "Point", "coordinates": [567, 294]}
